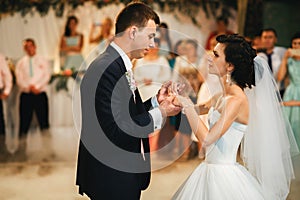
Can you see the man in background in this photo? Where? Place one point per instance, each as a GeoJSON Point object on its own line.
{"type": "Point", "coordinates": [5, 89]}
{"type": "Point", "coordinates": [32, 76]}
{"type": "Point", "coordinates": [272, 54]}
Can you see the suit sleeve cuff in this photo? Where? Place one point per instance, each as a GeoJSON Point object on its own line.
{"type": "Point", "coordinates": [157, 118]}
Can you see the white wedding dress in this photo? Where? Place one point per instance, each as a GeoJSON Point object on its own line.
{"type": "Point", "coordinates": [219, 176]}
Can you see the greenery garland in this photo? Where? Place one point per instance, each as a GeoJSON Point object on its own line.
{"type": "Point", "coordinates": [61, 79]}
{"type": "Point", "coordinates": [188, 7]}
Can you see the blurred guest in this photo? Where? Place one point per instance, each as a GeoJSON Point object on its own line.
{"type": "Point", "coordinates": [256, 43]}
{"type": "Point", "coordinates": [179, 50]}
{"type": "Point", "coordinates": [292, 103]}
{"type": "Point", "coordinates": [32, 76]}
{"type": "Point", "coordinates": [150, 73]}
{"type": "Point", "coordinates": [222, 24]}
{"type": "Point", "coordinates": [209, 88]}
{"type": "Point", "coordinates": [71, 50]}
{"type": "Point", "coordinates": [5, 88]}
{"type": "Point", "coordinates": [186, 71]}
{"type": "Point", "coordinates": [71, 44]}
{"type": "Point", "coordinates": [165, 40]}
{"type": "Point", "coordinates": [211, 85]}
{"type": "Point", "coordinates": [169, 129]}
{"type": "Point", "coordinates": [186, 66]}
{"type": "Point", "coordinates": [104, 36]}
{"type": "Point", "coordinates": [291, 65]}
{"type": "Point", "coordinates": [273, 54]}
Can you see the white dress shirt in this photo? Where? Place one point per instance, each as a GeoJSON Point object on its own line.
{"type": "Point", "coordinates": [5, 76]}
{"type": "Point", "coordinates": [38, 74]}
{"type": "Point", "coordinates": [155, 112]}
{"type": "Point", "coordinates": [276, 57]}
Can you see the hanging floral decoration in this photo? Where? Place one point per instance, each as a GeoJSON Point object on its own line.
{"type": "Point", "coordinates": [187, 7]}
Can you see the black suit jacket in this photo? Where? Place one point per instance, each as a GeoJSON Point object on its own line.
{"type": "Point", "coordinates": [110, 164]}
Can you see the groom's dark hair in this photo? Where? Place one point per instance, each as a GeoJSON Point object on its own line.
{"type": "Point", "coordinates": [135, 13]}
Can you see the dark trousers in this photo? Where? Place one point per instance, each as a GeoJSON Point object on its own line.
{"type": "Point", "coordinates": [2, 124]}
{"type": "Point", "coordinates": [30, 103]}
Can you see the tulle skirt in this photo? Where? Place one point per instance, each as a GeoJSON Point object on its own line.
{"type": "Point", "coordinates": [220, 182]}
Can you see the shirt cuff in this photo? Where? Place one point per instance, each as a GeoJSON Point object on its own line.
{"type": "Point", "coordinates": [157, 118]}
{"type": "Point", "coordinates": [154, 102]}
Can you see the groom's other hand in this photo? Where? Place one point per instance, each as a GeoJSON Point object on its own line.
{"type": "Point", "coordinates": [163, 92]}
{"type": "Point", "coordinates": [168, 108]}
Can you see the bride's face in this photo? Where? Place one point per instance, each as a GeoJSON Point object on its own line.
{"type": "Point", "coordinates": [216, 61]}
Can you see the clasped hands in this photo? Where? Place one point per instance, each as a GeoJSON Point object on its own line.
{"type": "Point", "coordinates": [171, 103]}
{"type": "Point", "coordinates": [34, 90]}
{"type": "Point", "coordinates": [3, 96]}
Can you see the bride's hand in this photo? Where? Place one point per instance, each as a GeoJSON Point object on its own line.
{"type": "Point", "coordinates": [182, 101]}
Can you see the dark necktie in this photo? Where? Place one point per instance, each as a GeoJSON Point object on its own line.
{"type": "Point", "coordinates": [270, 61]}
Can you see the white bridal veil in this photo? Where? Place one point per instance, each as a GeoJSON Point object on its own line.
{"type": "Point", "coordinates": [269, 142]}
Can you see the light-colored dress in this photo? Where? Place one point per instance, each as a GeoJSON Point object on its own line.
{"type": "Point", "coordinates": [158, 71]}
{"type": "Point", "coordinates": [219, 176]}
{"type": "Point", "coordinates": [61, 102]}
{"type": "Point", "coordinates": [292, 92]}
{"type": "Point", "coordinates": [73, 59]}
{"type": "Point", "coordinates": [164, 49]}
{"type": "Point", "coordinates": [209, 88]}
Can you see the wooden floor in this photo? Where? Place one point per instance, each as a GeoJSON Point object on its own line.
{"type": "Point", "coordinates": [35, 180]}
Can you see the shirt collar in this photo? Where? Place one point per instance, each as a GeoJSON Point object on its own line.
{"type": "Point", "coordinates": [123, 55]}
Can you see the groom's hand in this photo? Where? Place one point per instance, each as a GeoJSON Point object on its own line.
{"type": "Point", "coordinates": [168, 108]}
{"type": "Point", "coordinates": [163, 92]}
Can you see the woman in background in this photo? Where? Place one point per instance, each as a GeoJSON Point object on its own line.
{"type": "Point", "coordinates": [186, 71]}
{"type": "Point", "coordinates": [150, 73]}
{"type": "Point", "coordinates": [165, 40]}
{"type": "Point", "coordinates": [71, 44]}
{"type": "Point", "coordinates": [104, 37]}
{"type": "Point", "coordinates": [209, 88]}
{"type": "Point", "coordinates": [291, 65]}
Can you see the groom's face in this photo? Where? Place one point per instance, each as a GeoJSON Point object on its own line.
{"type": "Point", "coordinates": [143, 40]}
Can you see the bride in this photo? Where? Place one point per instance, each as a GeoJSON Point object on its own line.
{"type": "Point", "coordinates": [247, 112]}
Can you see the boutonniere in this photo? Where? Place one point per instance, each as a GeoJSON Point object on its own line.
{"type": "Point", "coordinates": [131, 82]}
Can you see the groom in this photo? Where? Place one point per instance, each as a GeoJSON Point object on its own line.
{"type": "Point", "coordinates": [113, 159]}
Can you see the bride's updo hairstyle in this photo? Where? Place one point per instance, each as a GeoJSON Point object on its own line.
{"type": "Point", "coordinates": [241, 55]}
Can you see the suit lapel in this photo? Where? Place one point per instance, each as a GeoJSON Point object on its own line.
{"type": "Point", "coordinates": [138, 106]}
{"type": "Point", "coordinates": [117, 58]}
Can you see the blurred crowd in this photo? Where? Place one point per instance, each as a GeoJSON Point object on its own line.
{"type": "Point", "coordinates": [180, 61]}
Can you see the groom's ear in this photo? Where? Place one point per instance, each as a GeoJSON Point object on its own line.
{"type": "Point", "coordinates": [132, 32]}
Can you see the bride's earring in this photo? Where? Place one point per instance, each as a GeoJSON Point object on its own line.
{"type": "Point", "coordinates": [228, 78]}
